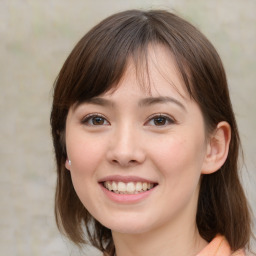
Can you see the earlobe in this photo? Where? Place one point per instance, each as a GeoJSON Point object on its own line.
{"type": "Point", "coordinates": [68, 164]}
{"type": "Point", "coordinates": [217, 148]}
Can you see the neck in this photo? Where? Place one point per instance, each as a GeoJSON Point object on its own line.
{"type": "Point", "coordinates": [184, 241]}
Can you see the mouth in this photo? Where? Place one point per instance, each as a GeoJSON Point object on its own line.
{"type": "Point", "coordinates": [119, 187]}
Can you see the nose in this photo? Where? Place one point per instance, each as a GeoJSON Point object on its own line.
{"type": "Point", "coordinates": [126, 147]}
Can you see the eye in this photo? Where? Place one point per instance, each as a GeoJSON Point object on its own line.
{"type": "Point", "coordinates": [95, 120]}
{"type": "Point", "coordinates": [160, 120]}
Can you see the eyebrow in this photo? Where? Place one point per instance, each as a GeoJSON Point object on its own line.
{"type": "Point", "coordinates": [142, 103]}
{"type": "Point", "coordinates": [160, 100]}
{"type": "Point", "coordinates": [100, 101]}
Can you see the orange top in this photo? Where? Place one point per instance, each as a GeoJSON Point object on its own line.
{"type": "Point", "coordinates": [219, 247]}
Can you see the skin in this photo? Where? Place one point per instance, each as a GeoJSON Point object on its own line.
{"type": "Point", "coordinates": [163, 141]}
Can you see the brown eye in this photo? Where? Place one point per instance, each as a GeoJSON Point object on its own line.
{"type": "Point", "coordinates": [95, 120]}
{"type": "Point", "coordinates": [160, 120]}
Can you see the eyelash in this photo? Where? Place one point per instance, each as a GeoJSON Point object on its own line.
{"type": "Point", "coordinates": [89, 118]}
{"type": "Point", "coordinates": [158, 116]}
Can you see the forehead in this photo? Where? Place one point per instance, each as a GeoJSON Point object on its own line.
{"type": "Point", "coordinates": [153, 74]}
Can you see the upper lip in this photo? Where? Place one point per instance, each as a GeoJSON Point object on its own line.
{"type": "Point", "coordinates": [125, 179]}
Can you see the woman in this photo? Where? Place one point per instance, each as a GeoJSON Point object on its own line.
{"type": "Point", "coordinates": [146, 142]}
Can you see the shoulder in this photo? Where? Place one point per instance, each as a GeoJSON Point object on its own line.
{"type": "Point", "coordinates": [219, 246]}
{"type": "Point", "coordinates": [239, 253]}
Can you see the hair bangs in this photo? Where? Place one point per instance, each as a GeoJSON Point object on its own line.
{"type": "Point", "coordinates": [99, 62]}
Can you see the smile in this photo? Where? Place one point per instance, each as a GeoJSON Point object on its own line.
{"type": "Point", "coordinates": [120, 187]}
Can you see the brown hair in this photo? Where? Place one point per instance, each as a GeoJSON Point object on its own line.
{"type": "Point", "coordinates": [97, 63]}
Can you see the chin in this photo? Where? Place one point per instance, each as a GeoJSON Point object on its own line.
{"type": "Point", "coordinates": [130, 230]}
{"type": "Point", "coordinates": [126, 226]}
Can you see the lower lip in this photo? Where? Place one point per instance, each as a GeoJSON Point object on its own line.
{"type": "Point", "coordinates": [126, 198]}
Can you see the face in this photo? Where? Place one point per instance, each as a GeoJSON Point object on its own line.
{"type": "Point", "coordinates": [137, 154]}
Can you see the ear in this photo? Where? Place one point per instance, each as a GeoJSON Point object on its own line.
{"type": "Point", "coordinates": [68, 164]}
{"type": "Point", "coordinates": [217, 148]}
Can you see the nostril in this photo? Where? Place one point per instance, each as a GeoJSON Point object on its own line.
{"type": "Point", "coordinates": [123, 162]}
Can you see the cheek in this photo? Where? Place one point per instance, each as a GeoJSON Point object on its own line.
{"type": "Point", "coordinates": [180, 162]}
{"type": "Point", "coordinates": [180, 157]}
{"type": "Point", "coordinates": [85, 153]}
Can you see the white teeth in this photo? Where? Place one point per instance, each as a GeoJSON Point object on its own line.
{"type": "Point", "coordinates": [128, 188]}
{"type": "Point", "coordinates": [121, 187]}
{"type": "Point", "coordinates": [145, 186]}
{"type": "Point", "coordinates": [138, 186]}
{"type": "Point", "coordinates": [114, 186]}
{"type": "Point", "coordinates": [150, 185]}
{"type": "Point", "coordinates": [108, 185]}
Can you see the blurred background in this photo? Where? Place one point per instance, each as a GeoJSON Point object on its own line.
{"type": "Point", "coordinates": [36, 37]}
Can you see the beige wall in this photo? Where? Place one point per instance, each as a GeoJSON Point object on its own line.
{"type": "Point", "coordinates": [36, 37]}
